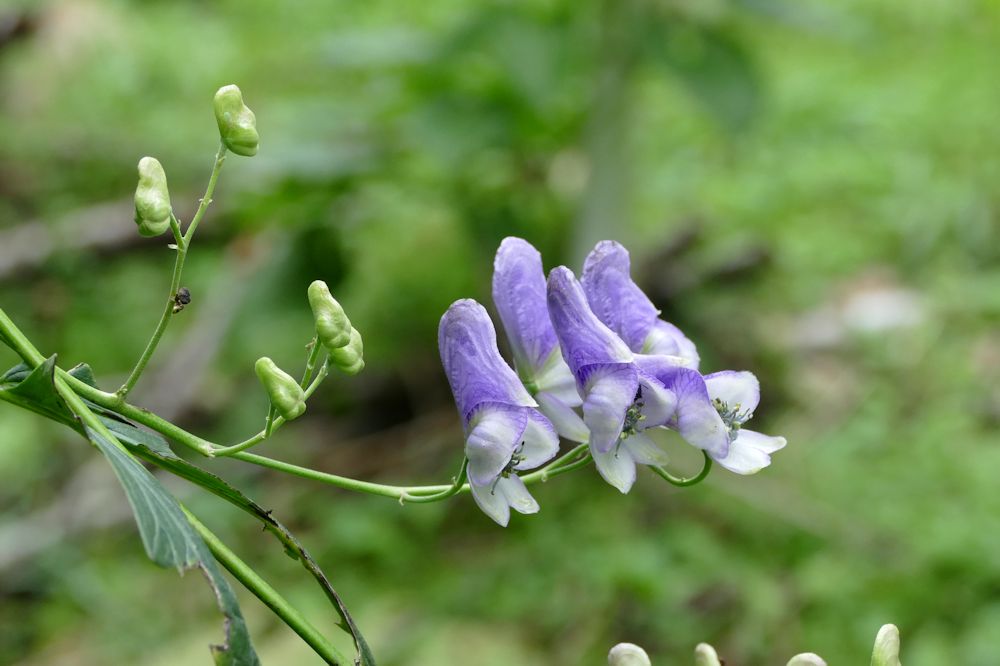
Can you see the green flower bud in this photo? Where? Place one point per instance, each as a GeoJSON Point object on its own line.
{"type": "Point", "coordinates": [237, 124]}
{"type": "Point", "coordinates": [628, 654]}
{"type": "Point", "coordinates": [286, 395]}
{"type": "Point", "coordinates": [350, 357]}
{"type": "Point", "coordinates": [806, 659]}
{"type": "Point", "coordinates": [705, 655]}
{"type": "Point", "coordinates": [886, 652]}
{"type": "Point", "coordinates": [152, 199]}
{"type": "Point", "coordinates": [332, 325]}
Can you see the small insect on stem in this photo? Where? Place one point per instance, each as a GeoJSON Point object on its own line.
{"type": "Point", "coordinates": [181, 298]}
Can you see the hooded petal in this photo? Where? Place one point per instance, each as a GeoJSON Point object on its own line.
{"type": "Point", "coordinates": [624, 307]}
{"type": "Point", "coordinates": [496, 432]}
{"type": "Point", "coordinates": [565, 419]}
{"type": "Point", "coordinates": [616, 466]}
{"type": "Point", "coordinates": [610, 390]}
{"type": "Point", "coordinates": [539, 443]}
{"type": "Point", "coordinates": [750, 452]}
{"type": "Point", "coordinates": [734, 388]}
{"type": "Point", "coordinates": [583, 338]}
{"type": "Point", "coordinates": [615, 299]}
{"type": "Point", "coordinates": [476, 371]}
{"type": "Point", "coordinates": [492, 501]}
{"type": "Point", "coordinates": [519, 294]}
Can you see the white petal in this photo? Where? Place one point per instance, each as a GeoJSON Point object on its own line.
{"type": "Point", "coordinates": [628, 654]}
{"type": "Point", "coordinates": [748, 453]}
{"type": "Point", "coordinates": [496, 432]}
{"type": "Point", "coordinates": [644, 450]}
{"type": "Point", "coordinates": [493, 502]}
{"type": "Point", "coordinates": [734, 388]}
{"type": "Point", "coordinates": [555, 378]}
{"type": "Point", "coordinates": [659, 404]}
{"type": "Point", "coordinates": [616, 466]}
{"type": "Point", "coordinates": [806, 659]}
{"type": "Point", "coordinates": [541, 443]}
{"type": "Point", "coordinates": [517, 495]}
{"type": "Point", "coordinates": [563, 417]}
{"type": "Point", "coordinates": [609, 394]}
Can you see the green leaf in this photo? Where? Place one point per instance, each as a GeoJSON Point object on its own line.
{"type": "Point", "coordinates": [153, 448]}
{"type": "Point", "coordinates": [166, 534]}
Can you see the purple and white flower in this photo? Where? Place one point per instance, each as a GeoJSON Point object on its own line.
{"type": "Point", "coordinates": [504, 430]}
{"type": "Point", "coordinates": [620, 400]}
{"type": "Point", "coordinates": [519, 294]}
{"type": "Point", "coordinates": [625, 309]}
{"type": "Point", "coordinates": [711, 412]}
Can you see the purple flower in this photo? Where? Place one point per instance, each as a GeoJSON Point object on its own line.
{"type": "Point", "coordinates": [504, 430]}
{"type": "Point", "coordinates": [625, 309]}
{"type": "Point", "coordinates": [620, 400]}
{"type": "Point", "coordinates": [711, 412]}
{"type": "Point", "coordinates": [519, 294]}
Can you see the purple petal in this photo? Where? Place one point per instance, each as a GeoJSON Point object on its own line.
{"type": "Point", "coordinates": [567, 422]}
{"type": "Point", "coordinates": [519, 294]}
{"type": "Point", "coordinates": [697, 420]}
{"type": "Point", "coordinates": [476, 371]}
{"type": "Point", "coordinates": [615, 298]}
{"type": "Point", "coordinates": [659, 404]}
{"type": "Point", "coordinates": [610, 390]}
{"type": "Point", "coordinates": [496, 431]}
{"type": "Point", "coordinates": [739, 390]}
{"type": "Point", "coordinates": [583, 338]}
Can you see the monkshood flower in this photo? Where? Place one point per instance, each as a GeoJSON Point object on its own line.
{"type": "Point", "coordinates": [711, 412]}
{"type": "Point", "coordinates": [620, 400]}
{"type": "Point", "coordinates": [625, 309]}
{"type": "Point", "coordinates": [519, 294]}
{"type": "Point", "coordinates": [504, 431]}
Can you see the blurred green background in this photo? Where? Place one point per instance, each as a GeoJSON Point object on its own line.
{"type": "Point", "coordinates": [811, 190]}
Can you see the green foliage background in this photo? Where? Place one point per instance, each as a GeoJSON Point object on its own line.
{"type": "Point", "coordinates": [772, 164]}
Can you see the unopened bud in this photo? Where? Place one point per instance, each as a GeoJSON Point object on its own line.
{"type": "Point", "coordinates": [286, 395]}
{"type": "Point", "coordinates": [152, 199]}
{"type": "Point", "coordinates": [237, 124]}
{"type": "Point", "coordinates": [705, 655]}
{"type": "Point", "coordinates": [350, 357]}
{"type": "Point", "coordinates": [332, 325]}
{"type": "Point", "coordinates": [886, 652]}
{"type": "Point", "coordinates": [806, 659]}
{"type": "Point", "coordinates": [627, 654]}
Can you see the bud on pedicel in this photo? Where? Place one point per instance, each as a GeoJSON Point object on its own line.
{"type": "Point", "coordinates": [237, 124]}
{"type": "Point", "coordinates": [886, 652]}
{"type": "Point", "coordinates": [152, 199]}
{"type": "Point", "coordinates": [350, 357]}
{"type": "Point", "coordinates": [332, 325]}
{"type": "Point", "coordinates": [285, 393]}
{"type": "Point", "coordinates": [628, 654]}
{"type": "Point", "coordinates": [705, 655]}
{"type": "Point", "coordinates": [806, 659]}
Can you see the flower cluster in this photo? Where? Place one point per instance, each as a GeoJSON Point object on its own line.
{"type": "Point", "coordinates": [594, 363]}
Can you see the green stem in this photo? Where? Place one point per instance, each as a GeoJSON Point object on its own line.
{"type": "Point", "coordinates": [260, 588]}
{"type": "Point", "coordinates": [183, 243]}
{"type": "Point", "coordinates": [685, 482]}
{"type": "Point", "coordinates": [273, 423]}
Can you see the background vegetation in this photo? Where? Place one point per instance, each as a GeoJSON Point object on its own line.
{"type": "Point", "coordinates": [810, 190]}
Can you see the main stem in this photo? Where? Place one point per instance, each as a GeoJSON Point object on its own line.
{"type": "Point", "coordinates": [183, 243]}
{"type": "Point", "coordinates": [271, 598]}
